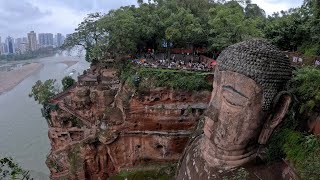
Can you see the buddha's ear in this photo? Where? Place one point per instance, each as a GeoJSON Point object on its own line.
{"type": "Point", "coordinates": [280, 108]}
{"type": "Point", "coordinates": [281, 104]}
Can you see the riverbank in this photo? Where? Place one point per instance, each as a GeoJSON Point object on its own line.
{"type": "Point", "coordinates": [69, 63]}
{"type": "Point", "coordinates": [10, 79]}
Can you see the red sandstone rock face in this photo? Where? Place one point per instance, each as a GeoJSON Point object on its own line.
{"type": "Point", "coordinates": [100, 130]}
{"type": "Point", "coordinates": [314, 123]}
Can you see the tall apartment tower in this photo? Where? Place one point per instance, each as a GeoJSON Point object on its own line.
{"type": "Point", "coordinates": [1, 46]}
{"type": "Point", "coordinates": [32, 41]}
{"type": "Point", "coordinates": [10, 45]}
{"type": "Point", "coordinates": [45, 39]}
{"type": "Point", "coordinates": [60, 39]}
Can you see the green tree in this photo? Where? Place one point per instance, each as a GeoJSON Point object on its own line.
{"type": "Point", "coordinates": [306, 85]}
{"type": "Point", "coordinates": [121, 29]}
{"type": "Point", "coordinates": [254, 11]}
{"type": "Point", "coordinates": [311, 13]}
{"type": "Point", "coordinates": [215, 24]}
{"type": "Point", "coordinates": [287, 31]}
{"type": "Point", "coordinates": [9, 169]}
{"type": "Point", "coordinates": [87, 35]}
{"type": "Point", "coordinates": [151, 26]}
{"type": "Point", "coordinates": [43, 91]}
{"type": "Point", "coordinates": [228, 25]}
{"type": "Point", "coordinates": [183, 27]}
{"type": "Point", "coordinates": [67, 82]}
{"type": "Point", "coordinates": [140, 2]}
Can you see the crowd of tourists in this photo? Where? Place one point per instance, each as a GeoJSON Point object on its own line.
{"type": "Point", "coordinates": [186, 61]}
{"type": "Point", "coordinates": [175, 64]}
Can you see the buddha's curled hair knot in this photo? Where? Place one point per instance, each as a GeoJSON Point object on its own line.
{"type": "Point", "coordinates": [262, 62]}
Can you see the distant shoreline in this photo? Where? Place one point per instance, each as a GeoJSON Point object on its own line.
{"type": "Point", "coordinates": [27, 59]}
{"type": "Point", "coordinates": [10, 79]}
{"type": "Point", "coordinates": [69, 63]}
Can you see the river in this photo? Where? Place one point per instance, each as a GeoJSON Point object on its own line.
{"type": "Point", "coordinates": [23, 131]}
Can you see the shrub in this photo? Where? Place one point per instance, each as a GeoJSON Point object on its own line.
{"type": "Point", "coordinates": [9, 169]}
{"type": "Point", "coordinates": [304, 152]}
{"type": "Point", "coordinates": [67, 82]}
{"type": "Point", "coordinates": [175, 79]}
{"type": "Point", "coordinates": [302, 149]}
{"type": "Point", "coordinates": [306, 86]}
{"type": "Point", "coordinates": [160, 172]}
{"type": "Point", "coordinates": [43, 91]}
{"type": "Point", "coordinates": [74, 158]}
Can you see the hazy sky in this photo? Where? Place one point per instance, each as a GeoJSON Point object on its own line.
{"type": "Point", "coordinates": [17, 17]}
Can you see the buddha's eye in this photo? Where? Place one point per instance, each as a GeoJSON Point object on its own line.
{"type": "Point", "coordinates": [233, 99]}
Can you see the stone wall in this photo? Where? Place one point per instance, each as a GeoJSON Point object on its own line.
{"type": "Point", "coordinates": [103, 128]}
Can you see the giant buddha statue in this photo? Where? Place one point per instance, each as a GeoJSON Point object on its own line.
{"type": "Point", "coordinates": [247, 102]}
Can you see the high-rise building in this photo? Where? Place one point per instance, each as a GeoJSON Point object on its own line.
{"type": "Point", "coordinates": [1, 48]}
{"type": "Point", "coordinates": [45, 39]}
{"type": "Point", "coordinates": [17, 44]}
{"type": "Point", "coordinates": [18, 41]}
{"type": "Point", "coordinates": [23, 48]}
{"type": "Point", "coordinates": [10, 45]}
{"type": "Point", "coordinates": [60, 39]}
{"type": "Point", "coordinates": [25, 40]}
{"type": "Point", "coordinates": [5, 48]}
{"type": "Point", "coordinates": [55, 41]}
{"type": "Point", "coordinates": [21, 45]}
{"type": "Point", "coordinates": [32, 41]}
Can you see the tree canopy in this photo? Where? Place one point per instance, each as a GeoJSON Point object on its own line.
{"type": "Point", "coordinates": [11, 170]}
{"type": "Point", "coordinates": [67, 82]}
{"type": "Point", "coordinates": [213, 24]}
{"type": "Point", "coordinates": [43, 91]}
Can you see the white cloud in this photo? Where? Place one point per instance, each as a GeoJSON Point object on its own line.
{"type": "Point", "coordinates": [271, 6]}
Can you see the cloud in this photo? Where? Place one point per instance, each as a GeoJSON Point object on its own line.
{"type": "Point", "coordinates": [15, 16]}
{"type": "Point", "coordinates": [88, 5]}
{"type": "Point", "coordinates": [17, 11]}
{"type": "Point", "coordinates": [271, 6]}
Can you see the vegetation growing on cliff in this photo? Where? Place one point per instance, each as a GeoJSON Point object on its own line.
{"type": "Point", "coordinates": [307, 88]}
{"type": "Point", "coordinates": [145, 78]}
{"type": "Point", "coordinates": [11, 170]}
{"type": "Point", "coordinates": [289, 140]}
{"type": "Point", "coordinates": [67, 82]}
{"type": "Point", "coordinates": [175, 79]}
{"type": "Point", "coordinates": [43, 91]}
{"type": "Point", "coordinates": [75, 159]}
{"type": "Point", "coordinates": [161, 173]}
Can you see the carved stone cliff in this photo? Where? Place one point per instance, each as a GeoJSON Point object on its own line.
{"type": "Point", "coordinates": [101, 127]}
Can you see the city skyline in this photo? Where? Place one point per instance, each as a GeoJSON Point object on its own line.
{"type": "Point", "coordinates": [31, 42]}
{"type": "Point", "coordinates": [25, 35]}
{"type": "Point", "coordinates": [63, 16]}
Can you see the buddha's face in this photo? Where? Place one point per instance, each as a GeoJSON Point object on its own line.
{"type": "Point", "coordinates": [234, 118]}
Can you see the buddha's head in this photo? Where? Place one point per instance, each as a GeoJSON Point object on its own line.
{"type": "Point", "coordinates": [247, 100]}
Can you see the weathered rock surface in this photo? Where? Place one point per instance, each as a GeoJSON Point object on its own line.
{"type": "Point", "coordinates": [102, 127]}
{"type": "Point", "coordinates": [314, 123]}
{"type": "Point", "coordinates": [247, 103]}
